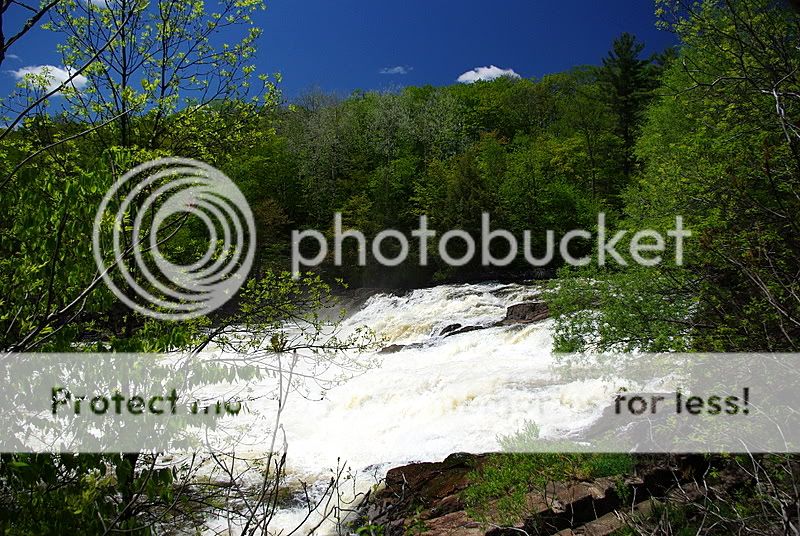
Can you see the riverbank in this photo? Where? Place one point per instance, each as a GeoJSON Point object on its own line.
{"type": "Point", "coordinates": [438, 498]}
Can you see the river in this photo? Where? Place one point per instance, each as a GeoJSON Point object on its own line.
{"type": "Point", "coordinates": [448, 394]}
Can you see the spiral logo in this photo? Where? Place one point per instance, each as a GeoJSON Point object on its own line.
{"type": "Point", "coordinates": [153, 202]}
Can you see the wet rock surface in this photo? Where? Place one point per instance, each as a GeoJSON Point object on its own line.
{"type": "Point", "coordinates": [394, 348]}
{"type": "Point", "coordinates": [465, 329]}
{"type": "Point", "coordinates": [526, 313]}
{"type": "Point", "coordinates": [448, 330]}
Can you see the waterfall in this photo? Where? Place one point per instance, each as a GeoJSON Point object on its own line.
{"type": "Point", "coordinates": [438, 395]}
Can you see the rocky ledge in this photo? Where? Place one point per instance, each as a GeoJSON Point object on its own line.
{"type": "Point", "coordinates": [526, 313]}
{"type": "Point", "coordinates": [425, 498]}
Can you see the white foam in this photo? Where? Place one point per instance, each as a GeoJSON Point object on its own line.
{"type": "Point", "coordinates": [454, 394]}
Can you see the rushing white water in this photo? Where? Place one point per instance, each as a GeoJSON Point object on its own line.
{"type": "Point", "coordinates": [454, 394]}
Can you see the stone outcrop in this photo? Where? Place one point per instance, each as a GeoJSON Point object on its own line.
{"type": "Point", "coordinates": [432, 487]}
{"type": "Point", "coordinates": [526, 313]}
{"type": "Point", "coordinates": [465, 329]}
{"type": "Point", "coordinates": [425, 498]}
{"type": "Point", "coordinates": [450, 329]}
{"type": "Point", "coordinates": [394, 348]}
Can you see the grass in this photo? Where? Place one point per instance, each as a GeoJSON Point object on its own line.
{"type": "Point", "coordinates": [497, 492]}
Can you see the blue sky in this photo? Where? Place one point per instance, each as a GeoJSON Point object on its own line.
{"type": "Point", "coordinates": [344, 45]}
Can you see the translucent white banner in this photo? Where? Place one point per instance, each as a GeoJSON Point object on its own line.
{"type": "Point", "coordinates": [90, 402]}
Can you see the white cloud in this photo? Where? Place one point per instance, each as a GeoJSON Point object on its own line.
{"type": "Point", "coordinates": [103, 4]}
{"type": "Point", "coordinates": [55, 76]}
{"type": "Point", "coordinates": [486, 73]}
{"type": "Point", "coordinates": [12, 57]}
{"type": "Point", "coordinates": [399, 69]}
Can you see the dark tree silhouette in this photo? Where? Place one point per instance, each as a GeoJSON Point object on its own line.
{"type": "Point", "coordinates": [629, 83]}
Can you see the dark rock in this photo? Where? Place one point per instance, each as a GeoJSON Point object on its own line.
{"type": "Point", "coordinates": [431, 494]}
{"type": "Point", "coordinates": [392, 349]}
{"type": "Point", "coordinates": [428, 490]}
{"type": "Point", "coordinates": [430, 481]}
{"type": "Point", "coordinates": [465, 329]}
{"type": "Point", "coordinates": [526, 313]}
{"type": "Point", "coordinates": [449, 329]}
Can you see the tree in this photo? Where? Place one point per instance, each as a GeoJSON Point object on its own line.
{"type": "Point", "coordinates": [156, 83]}
{"type": "Point", "coordinates": [189, 103]}
{"type": "Point", "coordinates": [628, 83]}
{"type": "Point", "coordinates": [735, 89]}
{"type": "Point", "coordinates": [719, 147]}
{"type": "Point", "coordinates": [162, 66]}
{"type": "Point", "coordinates": [586, 119]}
{"type": "Point", "coordinates": [35, 15]}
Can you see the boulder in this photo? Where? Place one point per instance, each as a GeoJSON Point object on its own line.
{"type": "Point", "coordinates": [465, 329]}
{"type": "Point", "coordinates": [423, 491]}
{"type": "Point", "coordinates": [449, 329]}
{"type": "Point", "coordinates": [392, 349]}
{"type": "Point", "coordinates": [526, 313]}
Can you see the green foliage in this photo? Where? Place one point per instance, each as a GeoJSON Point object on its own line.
{"type": "Point", "coordinates": [521, 440]}
{"type": "Point", "coordinates": [628, 81]}
{"type": "Point", "coordinates": [637, 309]}
{"type": "Point", "coordinates": [78, 492]}
{"type": "Point", "coordinates": [536, 155]}
{"type": "Point", "coordinates": [370, 530]}
{"type": "Point", "coordinates": [718, 147]}
{"type": "Point", "coordinates": [498, 491]}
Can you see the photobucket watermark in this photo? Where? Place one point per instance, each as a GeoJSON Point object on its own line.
{"type": "Point", "coordinates": [150, 203]}
{"type": "Point", "coordinates": [147, 206]}
{"type": "Point", "coordinates": [645, 247]}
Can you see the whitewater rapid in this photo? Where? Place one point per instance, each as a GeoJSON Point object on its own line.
{"type": "Point", "coordinates": [452, 394]}
{"type": "Point", "coordinates": [438, 396]}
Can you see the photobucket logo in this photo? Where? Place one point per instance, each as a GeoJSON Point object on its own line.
{"type": "Point", "coordinates": [645, 248]}
{"type": "Point", "coordinates": [152, 202]}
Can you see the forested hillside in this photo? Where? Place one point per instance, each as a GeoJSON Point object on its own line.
{"type": "Point", "coordinates": [704, 131]}
{"type": "Point", "coordinates": [719, 146]}
{"type": "Point", "coordinates": [537, 155]}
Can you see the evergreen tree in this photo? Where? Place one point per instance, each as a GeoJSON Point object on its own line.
{"type": "Point", "coordinates": [628, 82]}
